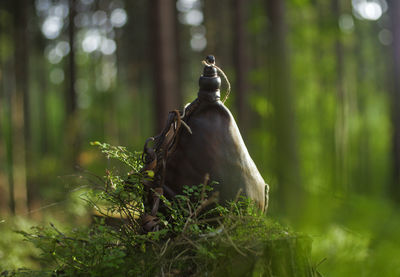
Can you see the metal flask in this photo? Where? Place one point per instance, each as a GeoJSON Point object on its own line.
{"type": "Point", "coordinates": [204, 139]}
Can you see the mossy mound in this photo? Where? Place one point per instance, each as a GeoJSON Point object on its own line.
{"type": "Point", "coordinates": [196, 236]}
{"type": "Point", "coordinates": [240, 245]}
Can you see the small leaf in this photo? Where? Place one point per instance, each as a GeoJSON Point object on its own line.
{"type": "Point", "coordinates": [150, 173]}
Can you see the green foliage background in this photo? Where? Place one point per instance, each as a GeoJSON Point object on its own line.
{"type": "Point", "coordinates": [345, 156]}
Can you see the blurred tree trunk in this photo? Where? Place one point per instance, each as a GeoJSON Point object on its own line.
{"type": "Point", "coordinates": [241, 62]}
{"type": "Point", "coordinates": [7, 133]}
{"type": "Point", "coordinates": [219, 35]}
{"type": "Point", "coordinates": [341, 126]}
{"type": "Point", "coordinates": [24, 187]}
{"type": "Point", "coordinates": [211, 23]}
{"type": "Point", "coordinates": [3, 119]}
{"type": "Point", "coordinates": [179, 59]}
{"type": "Point", "coordinates": [366, 179]}
{"type": "Point", "coordinates": [72, 124]}
{"type": "Point", "coordinates": [138, 75]}
{"type": "Point", "coordinates": [6, 147]}
{"type": "Point", "coordinates": [322, 48]}
{"type": "Point", "coordinates": [43, 94]}
{"type": "Point", "coordinates": [3, 162]}
{"type": "Point", "coordinates": [394, 9]}
{"type": "Point", "coordinates": [71, 95]}
{"type": "Point", "coordinates": [282, 99]}
{"type": "Point", "coordinates": [165, 59]}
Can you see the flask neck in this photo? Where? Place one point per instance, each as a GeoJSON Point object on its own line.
{"type": "Point", "coordinates": [209, 96]}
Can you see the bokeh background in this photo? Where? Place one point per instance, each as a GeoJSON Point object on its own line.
{"type": "Point", "coordinates": [315, 92]}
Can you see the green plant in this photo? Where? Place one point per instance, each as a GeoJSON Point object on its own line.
{"type": "Point", "coordinates": [197, 235]}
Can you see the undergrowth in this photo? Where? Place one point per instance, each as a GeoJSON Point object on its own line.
{"type": "Point", "coordinates": [197, 236]}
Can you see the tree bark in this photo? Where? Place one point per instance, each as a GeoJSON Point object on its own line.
{"type": "Point", "coordinates": [282, 99]}
{"type": "Point", "coordinates": [165, 59]}
{"type": "Point", "coordinates": [394, 9]}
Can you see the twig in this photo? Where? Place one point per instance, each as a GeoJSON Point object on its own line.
{"type": "Point", "coordinates": [66, 237]}
{"type": "Point", "coordinates": [233, 244]}
{"type": "Point", "coordinates": [164, 248]}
